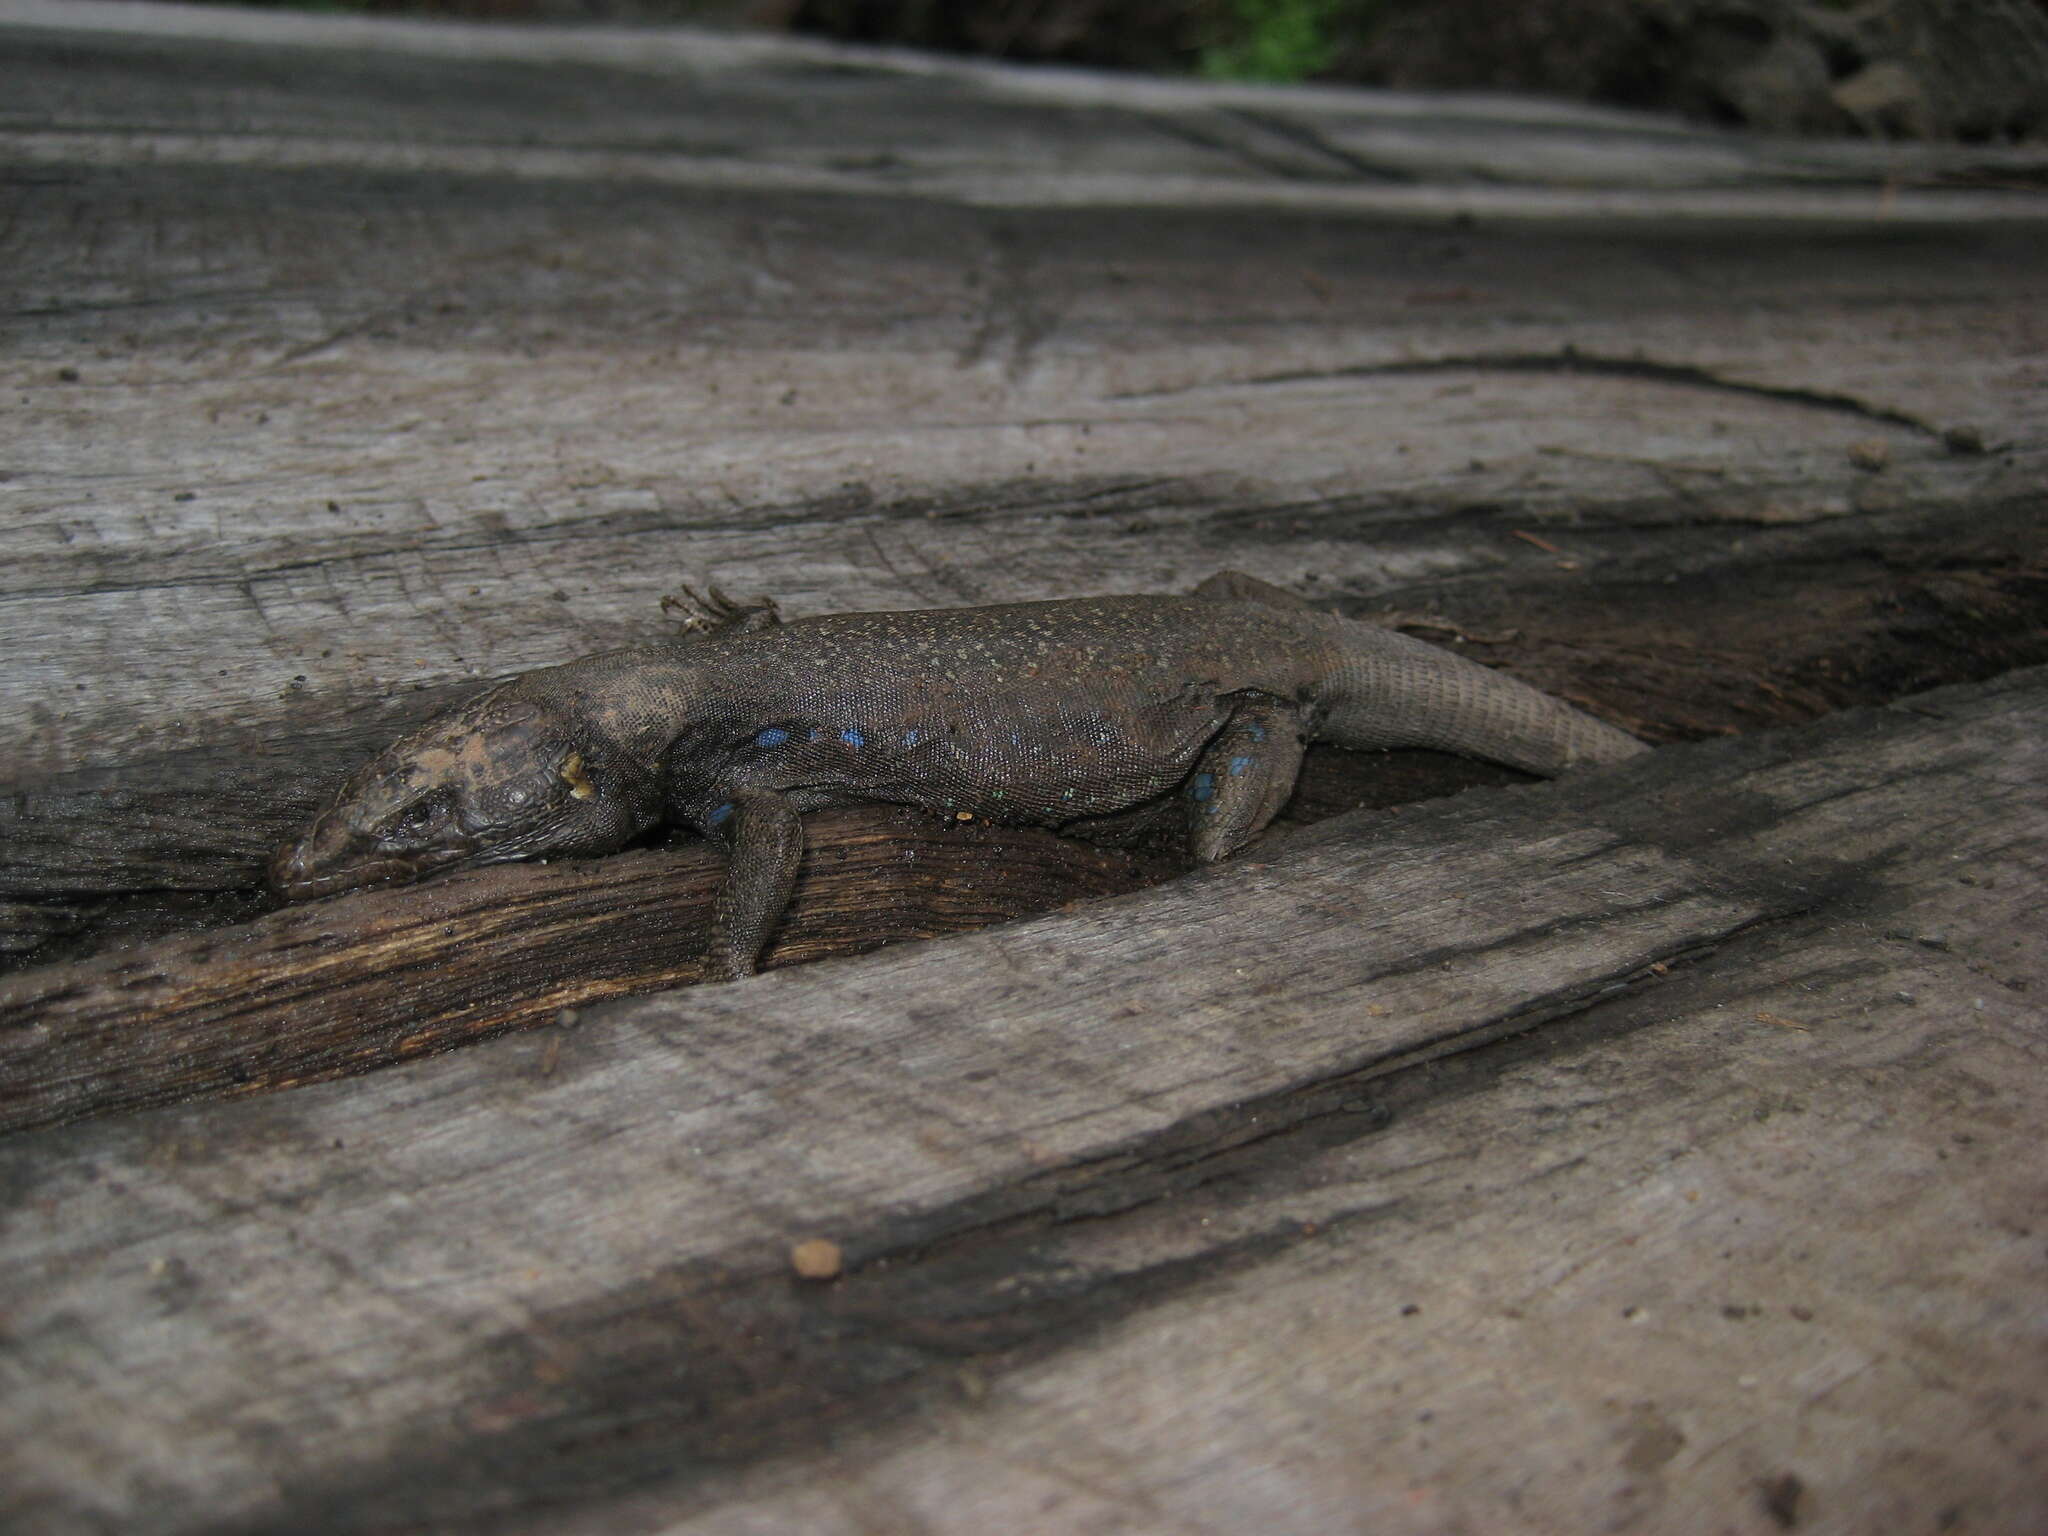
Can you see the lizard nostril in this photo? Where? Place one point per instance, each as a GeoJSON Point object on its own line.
{"type": "Point", "coordinates": [287, 868]}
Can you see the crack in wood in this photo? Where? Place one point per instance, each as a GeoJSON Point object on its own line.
{"type": "Point", "coordinates": [993, 501]}
{"type": "Point", "coordinates": [1569, 360]}
{"type": "Point", "coordinates": [1299, 132]}
{"type": "Point", "coordinates": [343, 987]}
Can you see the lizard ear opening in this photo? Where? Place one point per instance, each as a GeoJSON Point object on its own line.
{"type": "Point", "coordinates": [572, 774]}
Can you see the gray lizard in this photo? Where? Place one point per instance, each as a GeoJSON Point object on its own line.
{"type": "Point", "coordinates": [1066, 715]}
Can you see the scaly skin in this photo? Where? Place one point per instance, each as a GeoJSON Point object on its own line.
{"type": "Point", "coordinates": [1061, 715]}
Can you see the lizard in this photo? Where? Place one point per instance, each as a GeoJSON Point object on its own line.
{"type": "Point", "coordinates": [1067, 715]}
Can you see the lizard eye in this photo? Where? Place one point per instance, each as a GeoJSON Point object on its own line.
{"type": "Point", "coordinates": [418, 818]}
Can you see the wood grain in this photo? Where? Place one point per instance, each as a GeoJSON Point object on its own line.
{"type": "Point", "coordinates": [546, 1266]}
{"type": "Point", "coordinates": [388, 421]}
{"type": "Point", "coordinates": [361, 981]}
{"type": "Point", "coordinates": [315, 426]}
{"type": "Point", "coordinates": [1651, 1151]}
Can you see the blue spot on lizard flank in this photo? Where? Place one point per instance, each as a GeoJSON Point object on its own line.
{"type": "Point", "coordinates": [910, 738]}
{"type": "Point", "coordinates": [852, 737]}
{"type": "Point", "coordinates": [719, 815]}
{"type": "Point", "coordinates": [1203, 787]}
{"type": "Point", "coordinates": [1238, 765]}
{"type": "Point", "coordinates": [1256, 732]}
{"type": "Point", "coordinates": [774, 736]}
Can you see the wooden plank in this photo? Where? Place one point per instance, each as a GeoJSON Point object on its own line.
{"type": "Point", "coordinates": [481, 526]}
{"type": "Point", "coordinates": [1755, 1250]}
{"type": "Point", "coordinates": [352, 364]}
{"type": "Point", "coordinates": [387, 421]}
{"type": "Point", "coordinates": [518, 1282]}
{"type": "Point", "coordinates": [353, 984]}
{"type": "Point", "coordinates": [1678, 636]}
{"type": "Point", "coordinates": [376, 446]}
{"type": "Point", "coordinates": [878, 118]}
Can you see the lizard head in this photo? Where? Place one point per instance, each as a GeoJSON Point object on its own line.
{"type": "Point", "coordinates": [502, 777]}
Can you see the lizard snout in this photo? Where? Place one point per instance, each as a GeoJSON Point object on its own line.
{"type": "Point", "coordinates": [287, 871]}
{"type": "Point", "coordinates": [293, 873]}
{"type": "Point", "coordinates": [327, 858]}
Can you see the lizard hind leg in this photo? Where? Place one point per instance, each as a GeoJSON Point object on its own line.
{"type": "Point", "coordinates": [1243, 777]}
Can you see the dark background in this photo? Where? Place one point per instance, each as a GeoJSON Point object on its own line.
{"type": "Point", "coordinates": [1970, 70]}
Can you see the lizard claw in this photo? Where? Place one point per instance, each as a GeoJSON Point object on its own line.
{"type": "Point", "coordinates": [712, 611]}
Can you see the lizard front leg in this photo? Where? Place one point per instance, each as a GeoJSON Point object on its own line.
{"type": "Point", "coordinates": [712, 612]}
{"type": "Point", "coordinates": [764, 839]}
{"type": "Point", "coordinates": [1243, 777]}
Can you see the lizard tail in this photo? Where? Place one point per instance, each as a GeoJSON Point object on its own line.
{"type": "Point", "coordinates": [1389, 690]}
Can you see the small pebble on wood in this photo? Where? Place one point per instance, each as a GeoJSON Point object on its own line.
{"type": "Point", "coordinates": [817, 1258]}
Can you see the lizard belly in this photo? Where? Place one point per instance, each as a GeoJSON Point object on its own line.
{"type": "Point", "coordinates": [1025, 767]}
{"type": "Point", "coordinates": [1073, 764]}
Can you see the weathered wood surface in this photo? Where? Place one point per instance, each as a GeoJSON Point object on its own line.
{"type": "Point", "coordinates": [351, 985]}
{"type": "Point", "coordinates": [351, 363]}
{"type": "Point", "coordinates": [1733, 1203]}
{"type": "Point", "coordinates": [351, 358]}
{"type": "Point", "coordinates": [368, 979]}
{"type": "Point", "coordinates": [409, 409]}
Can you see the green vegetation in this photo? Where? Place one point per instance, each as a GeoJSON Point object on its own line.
{"type": "Point", "coordinates": [1275, 39]}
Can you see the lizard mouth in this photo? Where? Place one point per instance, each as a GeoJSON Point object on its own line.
{"type": "Point", "coordinates": [299, 871]}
